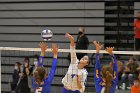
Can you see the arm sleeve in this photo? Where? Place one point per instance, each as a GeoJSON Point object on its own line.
{"type": "Point", "coordinates": [115, 68]}
{"type": "Point", "coordinates": [73, 55]}
{"type": "Point", "coordinates": [97, 68]}
{"type": "Point", "coordinates": [52, 71]}
{"type": "Point", "coordinates": [40, 61]}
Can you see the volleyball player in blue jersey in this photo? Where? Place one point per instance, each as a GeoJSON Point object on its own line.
{"type": "Point", "coordinates": [105, 78]}
{"type": "Point", "coordinates": [42, 82]}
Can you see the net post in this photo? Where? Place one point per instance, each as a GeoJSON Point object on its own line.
{"type": "Point", "coordinates": [0, 70]}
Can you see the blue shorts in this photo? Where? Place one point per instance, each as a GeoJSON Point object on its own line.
{"type": "Point", "coordinates": [69, 91]}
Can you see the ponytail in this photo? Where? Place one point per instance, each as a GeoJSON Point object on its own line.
{"type": "Point", "coordinates": [109, 79]}
{"type": "Point", "coordinates": [107, 74]}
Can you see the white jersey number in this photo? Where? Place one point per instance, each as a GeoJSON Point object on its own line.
{"type": "Point", "coordinates": [39, 90]}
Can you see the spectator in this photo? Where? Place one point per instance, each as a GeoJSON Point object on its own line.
{"type": "Point", "coordinates": [36, 58]}
{"type": "Point", "coordinates": [137, 32]}
{"type": "Point", "coordinates": [23, 81]}
{"type": "Point", "coordinates": [136, 87]}
{"type": "Point", "coordinates": [15, 76]}
{"type": "Point", "coordinates": [130, 72]}
{"type": "Point", "coordinates": [82, 42]}
{"type": "Point", "coordinates": [31, 71]}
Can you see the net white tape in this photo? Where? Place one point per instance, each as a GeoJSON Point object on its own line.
{"type": "Point", "coordinates": [69, 50]}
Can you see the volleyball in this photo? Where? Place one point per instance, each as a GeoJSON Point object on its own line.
{"type": "Point", "coordinates": [46, 34]}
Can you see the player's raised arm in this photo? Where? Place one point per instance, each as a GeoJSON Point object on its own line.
{"type": "Point", "coordinates": [43, 46]}
{"type": "Point", "coordinates": [72, 47]}
{"type": "Point", "coordinates": [115, 65]}
{"type": "Point", "coordinates": [97, 69]}
{"type": "Point", "coordinates": [71, 38]}
{"type": "Point", "coordinates": [54, 63]}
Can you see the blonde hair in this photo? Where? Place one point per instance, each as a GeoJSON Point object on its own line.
{"type": "Point", "coordinates": [107, 74]}
{"type": "Point", "coordinates": [39, 74]}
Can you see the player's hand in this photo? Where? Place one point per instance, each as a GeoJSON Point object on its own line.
{"type": "Point", "coordinates": [67, 35]}
{"type": "Point", "coordinates": [98, 46]}
{"type": "Point", "coordinates": [43, 46]}
{"type": "Point", "coordinates": [109, 50]}
{"type": "Point", "coordinates": [54, 50]}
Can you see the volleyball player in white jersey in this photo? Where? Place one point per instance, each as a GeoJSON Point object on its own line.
{"type": "Point", "coordinates": [75, 79]}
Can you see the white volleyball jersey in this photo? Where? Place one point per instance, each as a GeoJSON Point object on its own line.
{"type": "Point", "coordinates": [69, 81]}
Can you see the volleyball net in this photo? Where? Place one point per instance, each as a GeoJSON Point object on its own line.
{"type": "Point", "coordinates": [10, 55]}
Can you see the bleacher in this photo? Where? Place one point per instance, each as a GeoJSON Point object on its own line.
{"type": "Point", "coordinates": [21, 22]}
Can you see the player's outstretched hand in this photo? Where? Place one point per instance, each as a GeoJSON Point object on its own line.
{"type": "Point", "coordinates": [109, 50]}
{"type": "Point", "coordinates": [98, 46]}
{"type": "Point", "coordinates": [67, 35]}
{"type": "Point", "coordinates": [43, 46]}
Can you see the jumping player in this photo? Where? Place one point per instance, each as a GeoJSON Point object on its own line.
{"type": "Point", "coordinates": [105, 78]}
{"type": "Point", "coordinates": [42, 82]}
{"type": "Point", "coordinates": [75, 79]}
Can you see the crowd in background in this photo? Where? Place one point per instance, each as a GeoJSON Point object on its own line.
{"type": "Point", "coordinates": [22, 76]}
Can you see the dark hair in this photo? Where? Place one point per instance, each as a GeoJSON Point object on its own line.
{"type": "Point", "coordinates": [19, 64]}
{"type": "Point", "coordinates": [107, 74]}
{"type": "Point", "coordinates": [136, 79]}
{"type": "Point", "coordinates": [26, 58]}
{"type": "Point", "coordinates": [36, 56]}
{"type": "Point", "coordinates": [138, 12]}
{"type": "Point", "coordinates": [39, 74]}
{"type": "Point", "coordinates": [88, 61]}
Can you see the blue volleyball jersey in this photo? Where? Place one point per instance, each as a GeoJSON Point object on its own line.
{"type": "Point", "coordinates": [97, 76]}
{"type": "Point", "coordinates": [45, 88]}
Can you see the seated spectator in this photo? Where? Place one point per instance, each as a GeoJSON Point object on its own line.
{"type": "Point", "coordinates": [15, 76]}
{"type": "Point", "coordinates": [130, 72]}
{"type": "Point", "coordinates": [136, 87]}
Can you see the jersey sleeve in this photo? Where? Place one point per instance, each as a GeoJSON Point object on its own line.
{"type": "Point", "coordinates": [115, 68]}
{"type": "Point", "coordinates": [73, 55]}
{"type": "Point", "coordinates": [97, 76]}
{"type": "Point", "coordinates": [52, 71]}
{"type": "Point", "coordinates": [40, 61]}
